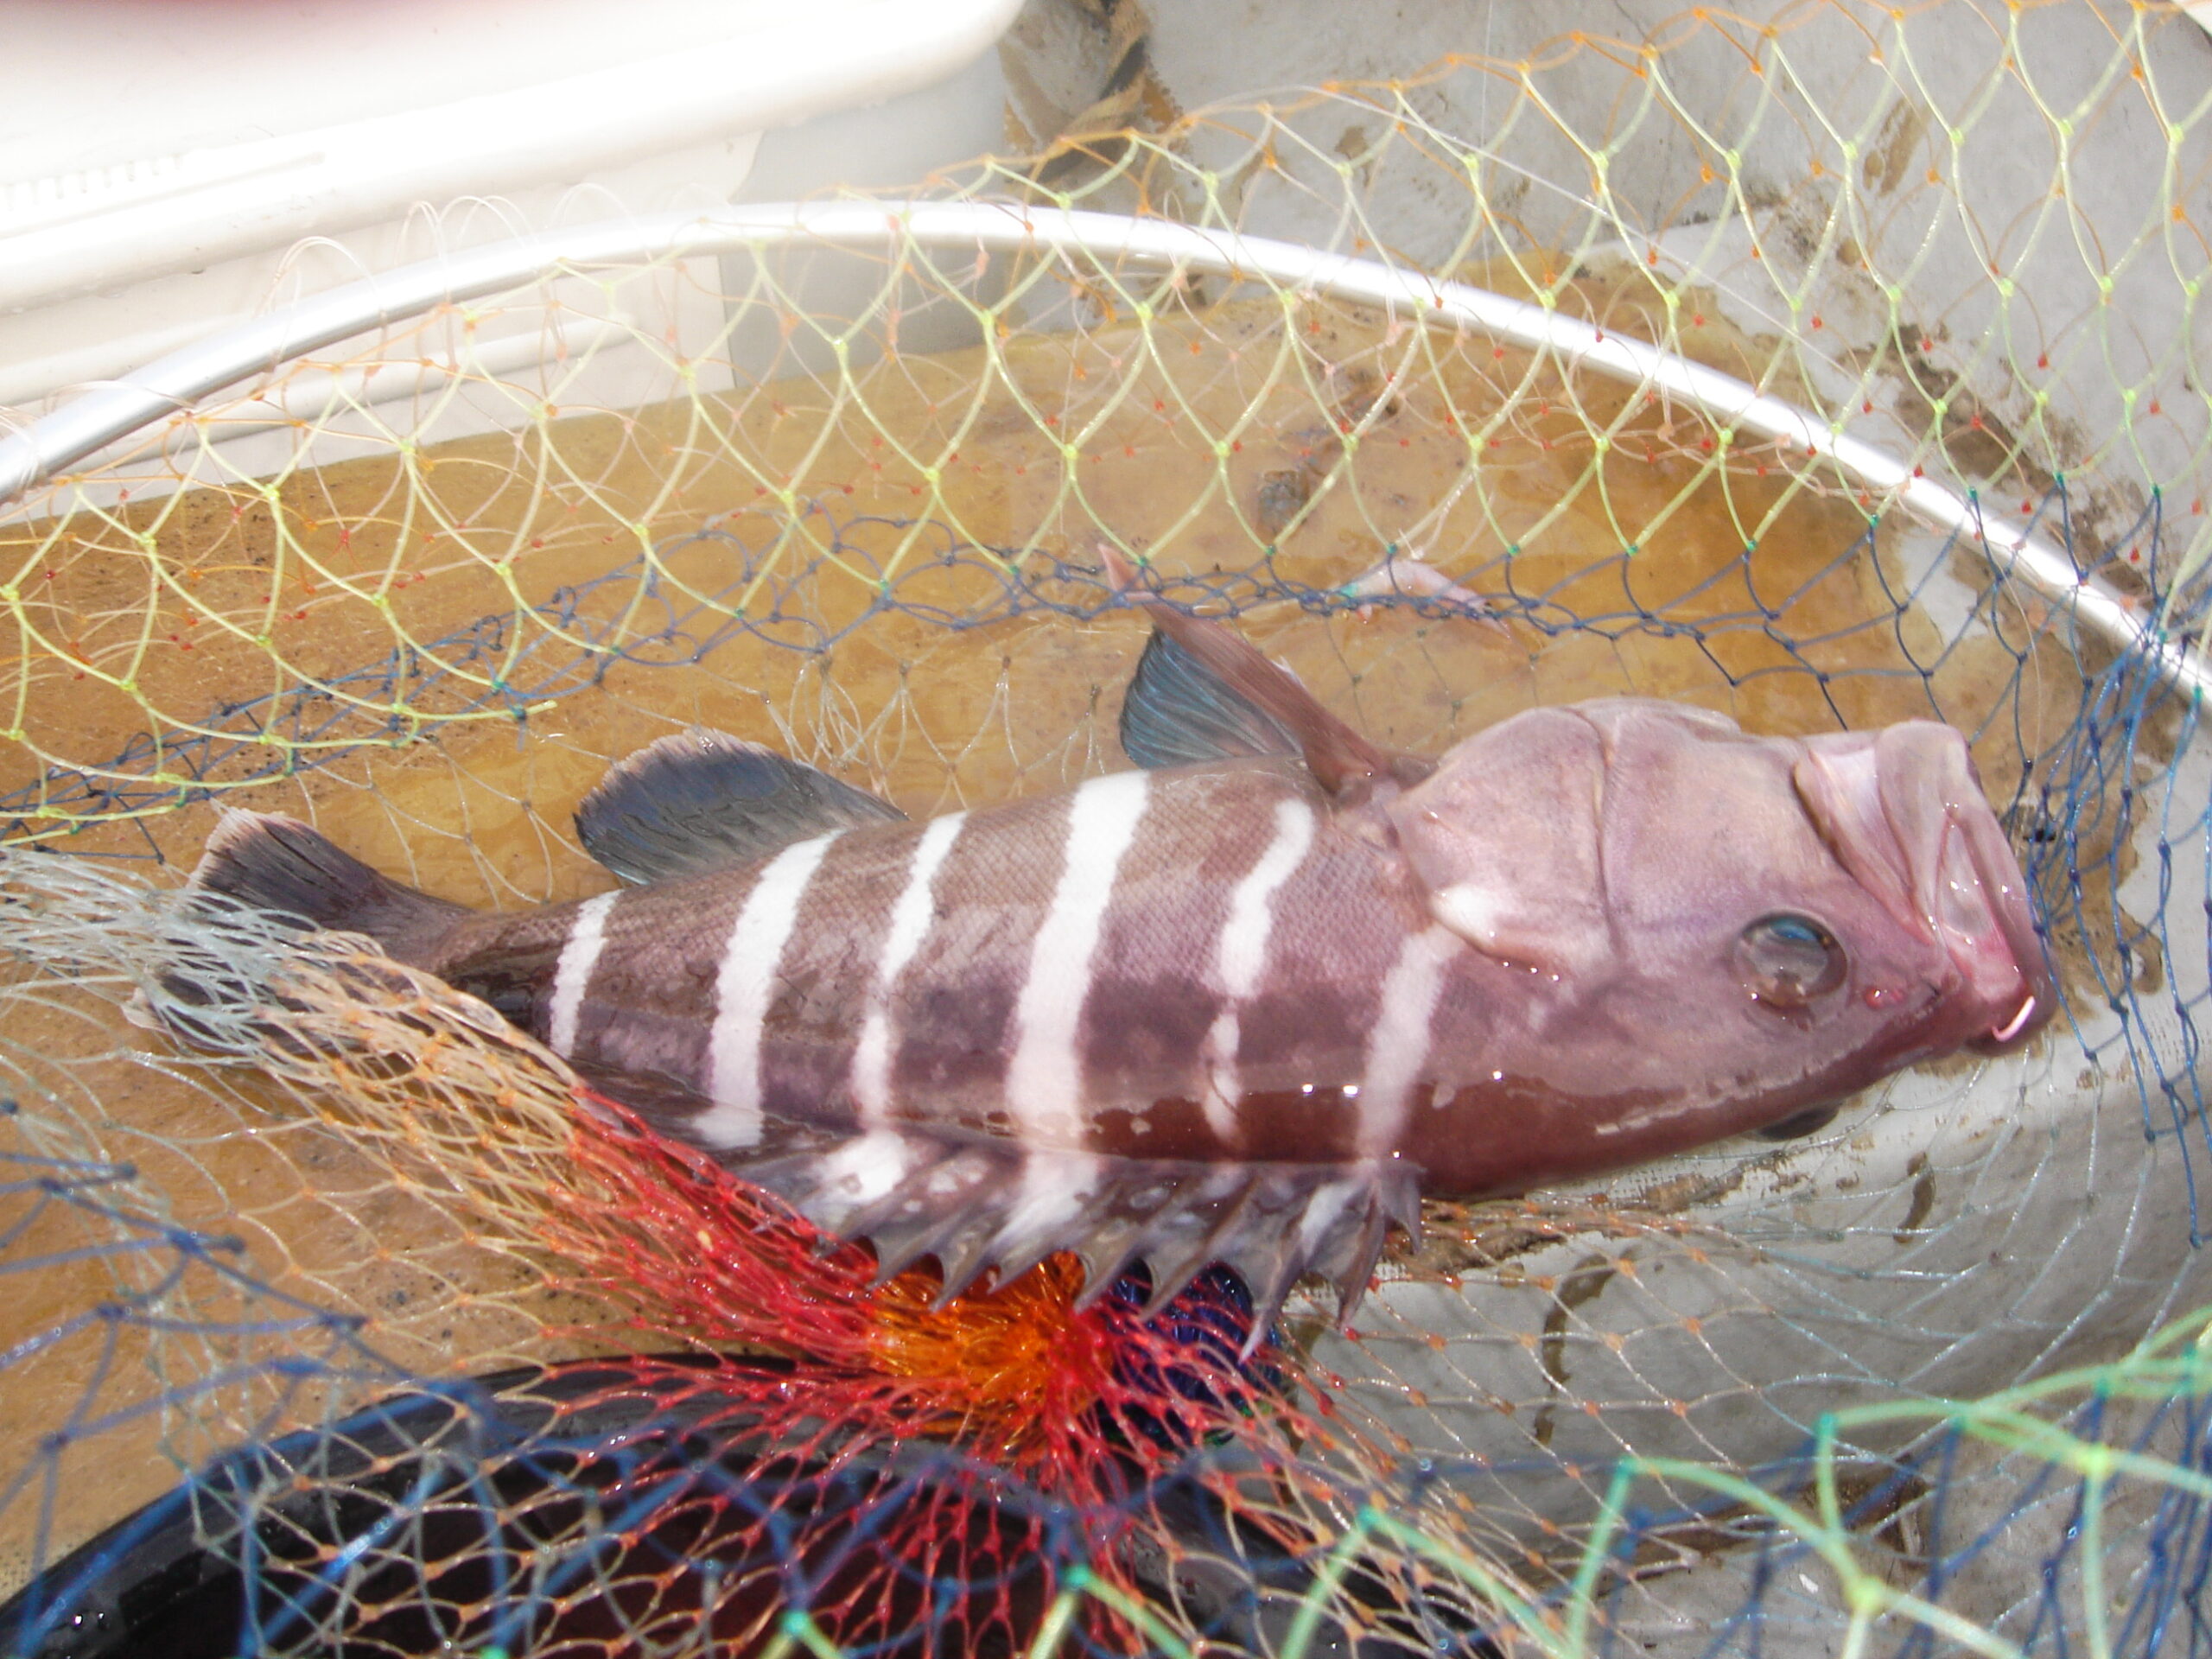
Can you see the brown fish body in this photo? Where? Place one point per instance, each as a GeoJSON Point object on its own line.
{"type": "Point", "coordinates": [1239, 950]}
{"type": "Point", "coordinates": [1243, 1007]}
{"type": "Point", "coordinates": [1263, 985]}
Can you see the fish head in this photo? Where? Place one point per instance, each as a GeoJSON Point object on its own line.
{"type": "Point", "coordinates": [1725, 928]}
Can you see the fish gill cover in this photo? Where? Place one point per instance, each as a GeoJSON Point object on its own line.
{"type": "Point", "coordinates": [335, 1316]}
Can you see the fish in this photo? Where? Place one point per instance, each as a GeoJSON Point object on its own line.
{"type": "Point", "coordinates": [1251, 1000]}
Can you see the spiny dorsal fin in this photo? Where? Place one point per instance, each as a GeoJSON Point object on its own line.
{"type": "Point", "coordinates": [977, 1201]}
{"type": "Point", "coordinates": [1342, 761]}
{"type": "Point", "coordinates": [701, 800]}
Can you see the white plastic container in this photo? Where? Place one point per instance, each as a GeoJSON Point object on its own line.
{"type": "Point", "coordinates": [161, 161]}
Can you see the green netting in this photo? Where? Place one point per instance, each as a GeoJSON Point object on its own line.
{"type": "Point", "coordinates": [339, 1287]}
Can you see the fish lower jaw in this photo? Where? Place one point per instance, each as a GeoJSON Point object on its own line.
{"type": "Point", "coordinates": [1998, 1005]}
{"type": "Point", "coordinates": [2016, 1030]}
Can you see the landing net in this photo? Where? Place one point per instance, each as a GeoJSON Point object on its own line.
{"type": "Point", "coordinates": [1825, 373]}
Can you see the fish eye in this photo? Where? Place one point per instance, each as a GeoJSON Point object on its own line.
{"type": "Point", "coordinates": [1788, 960]}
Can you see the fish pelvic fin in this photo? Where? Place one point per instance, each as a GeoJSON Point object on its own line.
{"type": "Point", "coordinates": [979, 1202]}
{"type": "Point", "coordinates": [1177, 712]}
{"type": "Point", "coordinates": [270, 862]}
{"type": "Point", "coordinates": [701, 800]}
{"type": "Point", "coordinates": [1202, 693]}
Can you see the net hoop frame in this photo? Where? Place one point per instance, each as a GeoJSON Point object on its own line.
{"type": "Point", "coordinates": [111, 411]}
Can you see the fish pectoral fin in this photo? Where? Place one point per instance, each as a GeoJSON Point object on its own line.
{"type": "Point", "coordinates": [1556, 936]}
{"type": "Point", "coordinates": [1812, 1120]}
{"type": "Point", "coordinates": [978, 1202]}
{"type": "Point", "coordinates": [700, 800]}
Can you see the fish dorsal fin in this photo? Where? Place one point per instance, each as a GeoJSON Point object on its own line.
{"type": "Point", "coordinates": [1179, 711]}
{"type": "Point", "coordinates": [979, 1203]}
{"type": "Point", "coordinates": [701, 800]}
{"type": "Point", "coordinates": [1214, 685]}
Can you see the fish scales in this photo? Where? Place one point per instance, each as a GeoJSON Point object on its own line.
{"type": "Point", "coordinates": [914, 914]}
{"type": "Point", "coordinates": [952, 1014]}
{"type": "Point", "coordinates": [1144, 1003]}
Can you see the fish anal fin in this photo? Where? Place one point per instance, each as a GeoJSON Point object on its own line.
{"type": "Point", "coordinates": [701, 800]}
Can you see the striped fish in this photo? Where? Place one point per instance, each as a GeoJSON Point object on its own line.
{"type": "Point", "coordinates": [1247, 1002]}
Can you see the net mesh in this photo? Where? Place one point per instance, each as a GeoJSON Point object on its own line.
{"type": "Point", "coordinates": [339, 1318]}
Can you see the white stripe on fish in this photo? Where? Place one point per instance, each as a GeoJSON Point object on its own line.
{"type": "Point", "coordinates": [912, 917]}
{"type": "Point", "coordinates": [1397, 1049]}
{"type": "Point", "coordinates": [1241, 957]}
{"type": "Point", "coordinates": [745, 988]}
{"type": "Point", "coordinates": [572, 976]}
{"type": "Point", "coordinates": [1044, 1077]}
{"type": "Point", "coordinates": [864, 1170]}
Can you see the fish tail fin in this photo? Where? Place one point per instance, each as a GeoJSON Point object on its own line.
{"type": "Point", "coordinates": [275, 864]}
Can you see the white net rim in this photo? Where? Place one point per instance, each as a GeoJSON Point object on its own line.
{"type": "Point", "coordinates": [88, 423]}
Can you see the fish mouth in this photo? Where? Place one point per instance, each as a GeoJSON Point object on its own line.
{"type": "Point", "coordinates": [1904, 811]}
{"type": "Point", "coordinates": [1972, 880]}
